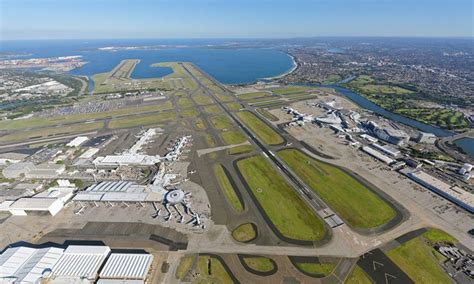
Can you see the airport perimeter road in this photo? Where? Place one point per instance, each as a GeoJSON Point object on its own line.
{"type": "Point", "coordinates": [307, 195]}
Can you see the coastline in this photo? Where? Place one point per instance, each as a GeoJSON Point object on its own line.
{"type": "Point", "coordinates": [295, 66]}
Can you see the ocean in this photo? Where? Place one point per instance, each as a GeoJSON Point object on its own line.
{"type": "Point", "coordinates": [229, 65]}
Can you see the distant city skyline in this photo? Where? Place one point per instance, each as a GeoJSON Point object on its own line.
{"type": "Point", "coordinates": [107, 19]}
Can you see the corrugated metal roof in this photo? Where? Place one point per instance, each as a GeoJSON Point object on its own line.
{"type": "Point", "coordinates": [28, 264]}
{"type": "Point", "coordinates": [42, 260]}
{"type": "Point", "coordinates": [81, 261]}
{"type": "Point", "coordinates": [127, 266]}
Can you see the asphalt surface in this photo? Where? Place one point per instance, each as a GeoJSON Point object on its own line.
{"type": "Point", "coordinates": [299, 186]}
{"type": "Point", "coordinates": [381, 269]}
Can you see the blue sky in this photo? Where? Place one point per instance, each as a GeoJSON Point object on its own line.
{"type": "Point", "coordinates": [64, 19]}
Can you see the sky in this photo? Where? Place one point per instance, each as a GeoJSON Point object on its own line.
{"type": "Point", "coordinates": [104, 19]}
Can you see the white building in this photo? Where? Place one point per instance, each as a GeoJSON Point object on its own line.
{"type": "Point", "coordinates": [428, 138]}
{"type": "Point", "coordinates": [78, 141]}
{"type": "Point", "coordinates": [126, 160]}
{"type": "Point", "coordinates": [120, 191]}
{"type": "Point", "coordinates": [376, 154]}
{"type": "Point", "coordinates": [126, 266]}
{"type": "Point", "coordinates": [74, 264]}
{"type": "Point", "coordinates": [51, 200]}
{"type": "Point", "coordinates": [79, 263]}
{"type": "Point", "coordinates": [27, 265]}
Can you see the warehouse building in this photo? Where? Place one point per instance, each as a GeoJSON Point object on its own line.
{"type": "Point", "coordinates": [390, 135]}
{"type": "Point", "coordinates": [78, 141]}
{"type": "Point", "coordinates": [50, 201]}
{"type": "Point", "coordinates": [124, 267]}
{"type": "Point", "coordinates": [387, 149]}
{"type": "Point", "coordinates": [46, 171]}
{"type": "Point", "coordinates": [454, 194]}
{"type": "Point", "coordinates": [73, 264]}
{"type": "Point", "coordinates": [79, 263]}
{"type": "Point", "coordinates": [27, 265]}
{"type": "Point", "coordinates": [376, 154]}
{"type": "Point", "coordinates": [427, 138]}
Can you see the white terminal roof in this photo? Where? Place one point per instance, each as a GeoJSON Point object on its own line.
{"type": "Point", "coordinates": [116, 191]}
{"type": "Point", "coordinates": [127, 266]}
{"type": "Point", "coordinates": [127, 159]}
{"type": "Point", "coordinates": [81, 261]}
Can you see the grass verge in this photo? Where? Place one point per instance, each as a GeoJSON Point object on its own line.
{"type": "Point", "coordinates": [353, 201]}
{"type": "Point", "coordinates": [227, 188]}
{"type": "Point", "coordinates": [286, 210]}
{"type": "Point", "coordinates": [261, 129]}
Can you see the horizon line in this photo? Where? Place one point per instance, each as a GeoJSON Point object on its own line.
{"type": "Point", "coordinates": [246, 38]}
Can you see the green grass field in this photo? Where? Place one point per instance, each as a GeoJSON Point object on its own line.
{"type": "Point", "coordinates": [259, 263]}
{"type": "Point", "coordinates": [266, 114]}
{"type": "Point", "coordinates": [233, 137]}
{"type": "Point", "coordinates": [50, 121]}
{"type": "Point", "coordinates": [221, 122]}
{"type": "Point", "coordinates": [446, 118]}
{"type": "Point", "coordinates": [212, 109]}
{"type": "Point", "coordinates": [353, 202]}
{"type": "Point", "coordinates": [358, 276]}
{"type": "Point", "coordinates": [234, 106]}
{"type": "Point", "coordinates": [184, 266]}
{"type": "Point", "coordinates": [405, 102]}
{"type": "Point", "coordinates": [184, 102]}
{"type": "Point", "coordinates": [322, 269]}
{"type": "Point", "coordinates": [201, 99]}
{"type": "Point", "coordinates": [262, 130]}
{"type": "Point", "coordinates": [240, 149]}
{"type": "Point", "coordinates": [244, 233]}
{"type": "Point", "coordinates": [210, 141]}
{"type": "Point", "coordinates": [200, 124]}
{"type": "Point", "coordinates": [249, 96]}
{"type": "Point", "coordinates": [291, 90]}
{"type": "Point", "coordinates": [190, 112]}
{"type": "Point", "coordinates": [290, 215]}
{"type": "Point", "coordinates": [419, 262]}
{"type": "Point", "coordinates": [22, 136]}
{"type": "Point", "coordinates": [216, 274]}
{"type": "Point", "coordinates": [436, 235]}
{"type": "Point", "coordinates": [228, 189]}
{"type": "Point", "coordinates": [143, 120]}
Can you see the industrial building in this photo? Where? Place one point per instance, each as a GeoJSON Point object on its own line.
{"type": "Point", "coordinates": [120, 191]}
{"type": "Point", "coordinates": [427, 138]}
{"type": "Point", "coordinates": [387, 149]}
{"type": "Point", "coordinates": [136, 268]}
{"type": "Point", "coordinates": [392, 136]}
{"type": "Point", "coordinates": [78, 141]}
{"type": "Point", "coordinates": [31, 171]}
{"type": "Point", "coordinates": [51, 201]}
{"type": "Point", "coordinates": [453, 193]}
{"type": "Point", "coordinates": [46, 171]}
{"type": "Point", "coordinates": [376, 154]}
{"type": "Point", "coordinates": [73, 264]}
